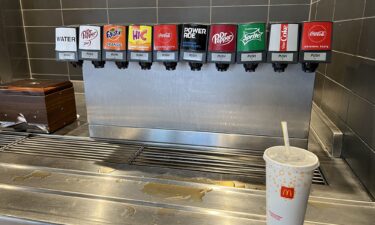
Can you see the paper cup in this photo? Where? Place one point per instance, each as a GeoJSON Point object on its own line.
{"type": "Point", "coordinates": [288, 185]}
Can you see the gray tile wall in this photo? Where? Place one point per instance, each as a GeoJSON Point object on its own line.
{"type": "Point", "coordinates": [13, 54]}
{"type": "Point", "coordinates": [345, 89]}
{"type": "Point", "coordinates": [42, 16]}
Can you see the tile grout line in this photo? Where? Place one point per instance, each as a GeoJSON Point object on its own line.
{"type": "Point", "coordinates": [63, 23]}
{"type": "Point", "coordinates": [310, 10]}
{"type": "Point", "coordinates": [157, 11]}
{"type": "Point", "coordinates": [106, 2]}
{"type": "Point", "coordinates": [25, 36]}
{"type": "Point", "coordinates": [361, 29]}
{"type": "Point", "coordinates": [210, 11]}
{"type": "Point", "coordinates": [268, 11]}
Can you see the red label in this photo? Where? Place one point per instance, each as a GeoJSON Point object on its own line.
{"type": "Point", "coordinates": [317, 36]}
{"type": "Point", "coordinates": [223, 38]}
{"type": "Point", "coordinates": [287, 192]}
{"type": "Point", "coordinates": [284, 37]}
{"type": "Point", "coordinates": [165, 38]}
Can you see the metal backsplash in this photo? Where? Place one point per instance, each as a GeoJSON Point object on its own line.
{"type": "Point", "coordinates": [231, 109]}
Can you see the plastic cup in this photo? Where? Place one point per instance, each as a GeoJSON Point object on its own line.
{"type": "Point", "coordinates": [288, 183]}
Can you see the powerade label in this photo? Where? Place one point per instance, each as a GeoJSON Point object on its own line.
{"type": "Point", "coordinates": [251, 37]}
{"type": "Point", "coordinates": [165, 38]}
{"type": "Point", "coordinates": [194, 37]}
{"type": "Point", "coordinates": [66, 39]}
{"type": "Point", "coordinates": [316, 36]}
{"type": "Point", "coordinates": [222, 38]}
{"type": "Point", "coordinates": [283, 38]}
{"type": "Point", "coordinates": [114, 37]}
{"type": "Point", "coordinates": [140, 38]}
{"type": "Point", "coordinates": [89, 38]}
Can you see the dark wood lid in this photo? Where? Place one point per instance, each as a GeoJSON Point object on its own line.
{"type": "Point", "coordinates": [34, 87]}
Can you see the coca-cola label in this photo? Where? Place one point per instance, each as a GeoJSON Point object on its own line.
{"type": "Point", "coordinates": [194, 37]}
{"type": "Point", "coordinates": [223, 38]}
{"type": "Point", "coordinates": [251, 37]}
{"type": "Point", "coordinates": [316, 36]}
{"type": "Point", "coordinates": [89, 38]}
{"type": "Point", "coordinates": [284, 38]}
{"type": "Point", "coordinates": [166, 37]}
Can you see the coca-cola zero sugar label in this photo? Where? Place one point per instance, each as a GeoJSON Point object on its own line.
{"type": "Point", "coordinates": [89, 38]}
{"type": "Point", "coordinates": [194, 37]}
{"type": "Point", "coordinates": [316, 36]}
{"type": "Point", "coordinates": [251, 37]}
{"type": "Point", "coordinates": [223, 38]}
{"type": "Point", "coordinates": [166, 37]}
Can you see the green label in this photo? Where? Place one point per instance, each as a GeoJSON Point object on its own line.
{"type": "Point", "coordinates": [251, 37]}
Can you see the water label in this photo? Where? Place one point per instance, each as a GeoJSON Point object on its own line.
{"type": "Point", "coordinates": [66, 39]}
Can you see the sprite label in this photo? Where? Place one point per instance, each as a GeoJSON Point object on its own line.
{"type": "Point", "coordinates": [251, 37]}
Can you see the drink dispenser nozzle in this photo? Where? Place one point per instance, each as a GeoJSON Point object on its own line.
{"type": "Point", "coordinates": [90, 45]}
{"type": "Point", "coordinates": [283, 46]}
{"type": "Point", "coordinates": [114, 45]}
{"type": "Point", "coordinates": [222, 45]}
{"type": "Point", "coordinates": [66, 45]}
{"type": "Point", "coordinates": [166, 45]}
{"type": "Point", "coordinates": [140, 45]}
{"type": "Point", "coordinates": [316, 45]}
{"type": "Point", "coordinates": [194, 45]}
{"type": "Point", "coordinates": [251, 45]}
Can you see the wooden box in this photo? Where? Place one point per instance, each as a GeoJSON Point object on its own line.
{"type": "Point", "coordinates": [46, 103]}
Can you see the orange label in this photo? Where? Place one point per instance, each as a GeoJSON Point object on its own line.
{"type": "Point", "coordinates": [140, 38]}
{"type": "Point", "coordinates": [287, 192]}
{"type": "Point", "coordinates": [114, 37]}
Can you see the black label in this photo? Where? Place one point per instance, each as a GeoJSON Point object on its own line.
{"type": "Point", "coordinates": [194, 37]}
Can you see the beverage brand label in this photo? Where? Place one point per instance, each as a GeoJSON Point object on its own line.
{"type": "Point", "coordinates": [140, 38]}
{"type": "Point", "coordinates": [139, 56]}
{"type": "Point", "coordinates": [316, 36]}
{"type": "Point", "coordinates": [251, 57]}
{"type": "Point", "coordinates": [194, 37]}
{"type": "Point", "coordinates": [66, 39]}
{"type": "Point", "coordinates": [114, 37]}
{"type": "Point", "coordinates": [166, 56]}
{"type": "Point", "coordinates": [193, 56]}
{"type": "Point", "coordinates": [89, 38]}
{"type": "Point", "coordinates": [221, 57]}
{"type": "Point", "coordinates": [287, 192]}
{"type": "Point", "coordinates": [315, 56]}
{"type": "Point", "coordinates": [223, 38]}
{"type": "Point", "coordinates": [284, 38]}
{"type": "Point", "coordinates": [166, 37]}
{"type": "Point", "coordinates": [67, 56]}
{"type": "Point", "coordinates": [89, 55]}
{"type": "Point", "coordinates": [114, 55]}
{"type": "Point", "coordinates": [282, 57]}
{"type": "Point", "coordinates": [251, 37]}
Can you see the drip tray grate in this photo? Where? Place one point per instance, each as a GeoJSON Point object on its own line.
{"type": "Point", "coordinates": [8, 139]}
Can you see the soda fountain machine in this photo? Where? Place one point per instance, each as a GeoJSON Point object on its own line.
{"type": "Point", "coordinates": [90, 45]}
{"type": "Point", "coordinates": [222, 45]}
{"type": "Point", "coordinates": [140, 45]}
{"type": "Point", "coordinates": [283, 45]}
{"type": "Point", "coordinates": [251, 45]}
{"type": "Point", "coordinates": [316, 45]}
{"type": "Point", "coordinates": [166, 40]}
{"type": "Point", "coordinates": [114, 45]}
{"type": "Point", "coordinates": [66, 45]}
{"type": "Point", "coordinates": [194, 45]}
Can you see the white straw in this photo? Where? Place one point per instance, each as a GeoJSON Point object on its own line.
{"type": "Point", "coordinates": [284, 126]}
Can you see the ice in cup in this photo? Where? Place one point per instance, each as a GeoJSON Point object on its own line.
{"type": "Point", "coordinates": [288, 182]}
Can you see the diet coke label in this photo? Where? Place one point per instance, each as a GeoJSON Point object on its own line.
{"type": "Point", "coordinates": [316, 36]}
{"type": "Point", "coordinates": [284, 38]}
{"type": "Point", "coordinates": [89, 38]}
{"type": "Point", "coordinates": [223, 38]}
